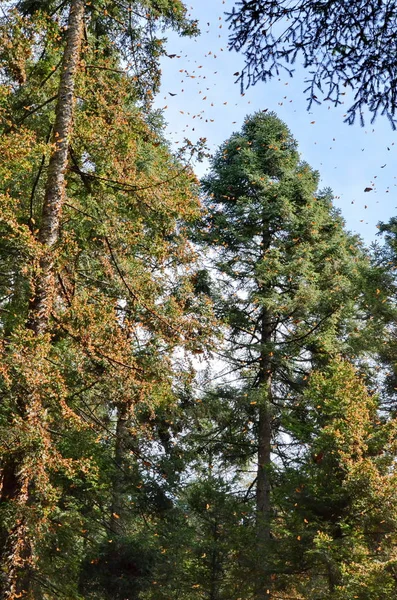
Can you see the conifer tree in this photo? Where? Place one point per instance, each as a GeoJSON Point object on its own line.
{"type": "Point", "coordinates": [288, 278]}
{"type": "Point", "coordinates": [385, 257]}
{"type": "Point", "coordinates": [337, 503]}
{"type": "Point", "coordinates": [95, 303]}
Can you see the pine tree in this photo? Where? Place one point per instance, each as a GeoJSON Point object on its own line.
{"type": "Point", "coordinates": [288, 278]}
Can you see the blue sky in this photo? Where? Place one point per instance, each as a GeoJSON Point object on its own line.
{"type": "Point", "coordinates": [207, 103]}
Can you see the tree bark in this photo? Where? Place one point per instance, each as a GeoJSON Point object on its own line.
{"type": "Point", "coordinates": [265, 430]}
{"type": "Point", "coordinates": [263, 504]}
{"type": "Point", "coordinates": [263, 484]}
{"type": "Point", "coordinates": [263, 501]}
{"type": "Point", "coordinates": [43, 293]}
{"type": "Point", "coordinates": [122, 446]}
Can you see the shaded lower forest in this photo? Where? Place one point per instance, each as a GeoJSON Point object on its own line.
{"type": "Point", "coordinates": [197, 379]}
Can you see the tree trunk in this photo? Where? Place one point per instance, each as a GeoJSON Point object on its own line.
{"type": "Point", "coordinates": [16, 553]}
{"type": "Point", "coordinates": [263, 486]}
{"type": "Point", "coordinates": [265, 413]}
{"type": "Point", "coordinates": [264, 433]}
{"type": "Point", "coordinates": [43, 293]}
{"type": "Point", "coordinates": [216, 569]}
{"type": "Point", "coordinates": [122, 446]}
{"type": "Point", "coordinates": [264, 462]}
{"type": "Point", "coordinates": [265, 426]}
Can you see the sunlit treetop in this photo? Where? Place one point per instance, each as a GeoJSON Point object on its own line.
{"type": "Point", "coordinates": [345, 46]}
{"type": "Point", "coordinates": [134, 30]}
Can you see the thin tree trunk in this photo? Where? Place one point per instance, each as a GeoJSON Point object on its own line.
{"type": "Point", "coordinates": [216, 569]}
{"type": "Point", "coordinates": [265, 427]}
{"type": "Point", "coordinates": [122, 446]}
{"type": "Point", "coordinates": [263, 502]}
{"type": "Point", "coordinates": [263, 484]}
{"type": "Point", "coordinates": [43, 293]}
{"type": "Point", "coordinates": [16, 553]}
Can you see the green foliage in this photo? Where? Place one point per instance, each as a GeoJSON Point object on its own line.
{"type": "Point", "coordinates": [340, 504]}
{"type": "Point", "coordinates": [86, 404]}
{"type": "Point", "coordinates": [121, 475]}
{"type": "Point", "coordinates": [292, 288]}
{"type": "Point", "coordinates": [281, 257]}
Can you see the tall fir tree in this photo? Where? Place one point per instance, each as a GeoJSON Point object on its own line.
{"type": "Point", "coordinates": [288, 282]}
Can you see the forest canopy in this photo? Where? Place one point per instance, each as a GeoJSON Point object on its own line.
{"type": "Point", "coordinates": [197, 379]}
